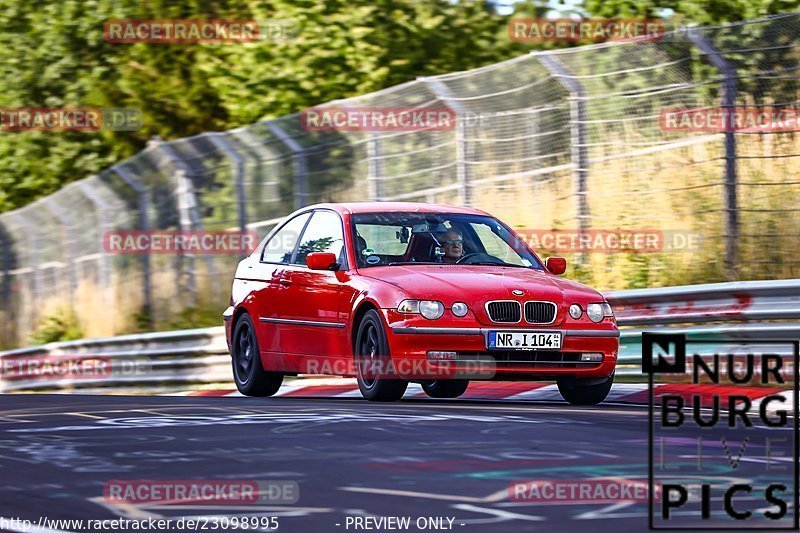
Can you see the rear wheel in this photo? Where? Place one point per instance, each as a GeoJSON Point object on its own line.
{"type": "Point", "coordinates": [445, 388]}
{"type": "Point", "coordinates": [249, 374]}
{"type": "Point", "coordinates": [373, 362]}
{"type": "Point", "coordinates": [585, 392]}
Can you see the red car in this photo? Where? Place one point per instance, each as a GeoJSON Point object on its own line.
{"type": "Point", "coordinates": [394, 293]}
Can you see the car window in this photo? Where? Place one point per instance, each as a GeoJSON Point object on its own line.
{"type": "Point", "coordinates": [280, 247]}
{"type": "Point", "coordinates": [496, 246]}
{"type": "Point", "coordinates": [384, 239]}
{"type": "Point", "coordinates": [398, 238]}
{"type": "Point", "coordinates": [323, 234]}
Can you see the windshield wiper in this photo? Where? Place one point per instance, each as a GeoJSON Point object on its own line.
{"type": "Point", "coordinates": [492, 263]}
{"type": "Point", "coordinates": [396, 263]}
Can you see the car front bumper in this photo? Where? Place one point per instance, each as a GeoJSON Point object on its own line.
{"type": "Point", "coordinates": [410, 344]}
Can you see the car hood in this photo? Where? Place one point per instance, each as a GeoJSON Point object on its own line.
{"type": "Point", "coordinates": [476, 285]}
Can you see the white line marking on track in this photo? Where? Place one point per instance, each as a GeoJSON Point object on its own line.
{"type": "Point", "coordinates": [546, 393]}
{"type": "Point", "coordinates": [491, 498]}
{"type": "Point", "coordinates": [620, 390]}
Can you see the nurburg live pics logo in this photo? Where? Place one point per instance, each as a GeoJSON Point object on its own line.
{"type": "Point", "coordinates": [728, 458]}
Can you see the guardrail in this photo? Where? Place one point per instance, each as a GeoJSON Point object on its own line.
{"type": "Point", "coordinates": [714, 302]}
{"type": "Point", "coordinates": [164, 359]}
{"type": "Point", "coordinates": [200, 356]}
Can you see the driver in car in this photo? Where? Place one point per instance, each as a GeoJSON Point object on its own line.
{"type": "Point", "coordinates": [453, 244]}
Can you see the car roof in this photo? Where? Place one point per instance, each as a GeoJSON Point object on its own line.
{"type": "Point", "coordinates": [396, 207]}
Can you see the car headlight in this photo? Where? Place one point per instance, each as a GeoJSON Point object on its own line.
{"type": "Point", "coordinates": [598, 311]}
{"type": "Point", "coordinates": [575, 311]}
{"type": "Point", "coordinates": [460, 309]}
{"type": "Point", "coordinates": [409, 307]}
{"type": "Point", "coordinates": [430, 309]}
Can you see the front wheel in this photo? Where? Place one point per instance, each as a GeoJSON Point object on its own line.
{"type": "Point", "coordinates": [585, 392]}
{"type": "Point", "coordinates": [445, 388]}
{"type": "Point", "coordinates": [374, 368]}
{"type": "Point", "coordinates": [249, 374]}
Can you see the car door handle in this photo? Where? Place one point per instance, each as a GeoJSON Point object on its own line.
{"type": "Point", "coordinates": [285, 282]}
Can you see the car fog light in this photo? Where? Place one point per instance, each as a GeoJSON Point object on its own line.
{"type": "Point", "coordinates": [575, 311]}
{"type": "Point", "coordinates": [442, 356]}
{"type": "Point", "coordinates": [591, 357]}
{"type": "Point", "coordinates": [431, 309]}
{"type": "Point", "coordinates": [460, 309]}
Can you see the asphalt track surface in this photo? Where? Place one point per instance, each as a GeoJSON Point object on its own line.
{"type": "Point", "coordinates": [351, 458]}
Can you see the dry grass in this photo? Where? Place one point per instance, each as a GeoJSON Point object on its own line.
{"type": "Point", "coordinates": [671, 190]}
{"type": "Point", "coordinates": [678, 190]}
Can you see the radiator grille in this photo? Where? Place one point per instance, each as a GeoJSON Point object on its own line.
{"type": "Point", "coordinates": [505, 312]}
{"type": "Point", "coordinates": [540, 312]}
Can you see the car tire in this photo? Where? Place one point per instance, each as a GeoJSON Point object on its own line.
{"type": "Point", "coordinates": [248, 372]}
{"type": "Point", "coordinates": [445, 388]}
{"type": "Point", "coordinates": [584, 392]}
{"type": "Point", "coordinates": [371, 351]}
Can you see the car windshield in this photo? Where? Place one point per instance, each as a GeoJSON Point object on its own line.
{"type": "Point", "coordinates": [389, 239]}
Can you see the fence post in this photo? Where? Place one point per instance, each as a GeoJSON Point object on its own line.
{"type": "Point", "coordinates": [102, 218]}
{"type": "Point", "coordinates": [729, 77]}
{"type": "Point", "coordinates": [68, 244]}
{"type": "Point", "coordinates": [144, 224]}
{"type": "Point", "coordinates": [187, 207]}
{"type": "Point", "coordinates": [33, 242]}
{"type": "Point", "coordinates": [219, 140]}
{"type": "Point", "coordinates": [578, 137]}
{"type": "Point", "coordinates": [10, 315]}
{"type": "Point", "coordinates": [463, 148]}
{"type": "Point", "coordinates": [300, 164]}
{"type": "Point", "coordinates": [375, 168]}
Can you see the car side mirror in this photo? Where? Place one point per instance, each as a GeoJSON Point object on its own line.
{"type": "Point", "coordinates": [556, 265]}
{"type": "Point", "coordinates": [322, 261]}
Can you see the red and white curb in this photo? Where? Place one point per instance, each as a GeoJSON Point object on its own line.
{"type": "Point", "coordinates": [629, 393]}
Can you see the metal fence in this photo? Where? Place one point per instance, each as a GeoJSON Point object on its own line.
{"type": "Point", "coordinates": [566, 139]}
{"type": "Point", "coordinates": [181, 360]}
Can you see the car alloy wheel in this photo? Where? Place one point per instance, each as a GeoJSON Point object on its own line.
{"type": "Point", "coordinates": [243, 354]}
{"type": "Point", "coordinates": [249, 374]}
{"type": "Point", "coordinates": [374, 369]}
{"type": "Point", "coordinates": [368, 360]}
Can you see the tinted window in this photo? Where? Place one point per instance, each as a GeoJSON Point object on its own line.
{"type": "Point", "coordinates": [280, 247]}
{"type": "Point", "coordinates": [323, 234]}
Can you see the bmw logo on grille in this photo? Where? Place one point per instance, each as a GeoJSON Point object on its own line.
{"type": "Point", "coordinates": [517, 292]}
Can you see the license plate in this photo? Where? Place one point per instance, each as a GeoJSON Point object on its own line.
{"type": "Point", "coordinates": [507, 340]}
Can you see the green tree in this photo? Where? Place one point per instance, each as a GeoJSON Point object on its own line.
{"type": "Point", "coordinates": [52, 54]}
{"type": "Point", "coordinates": [704, 12]}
